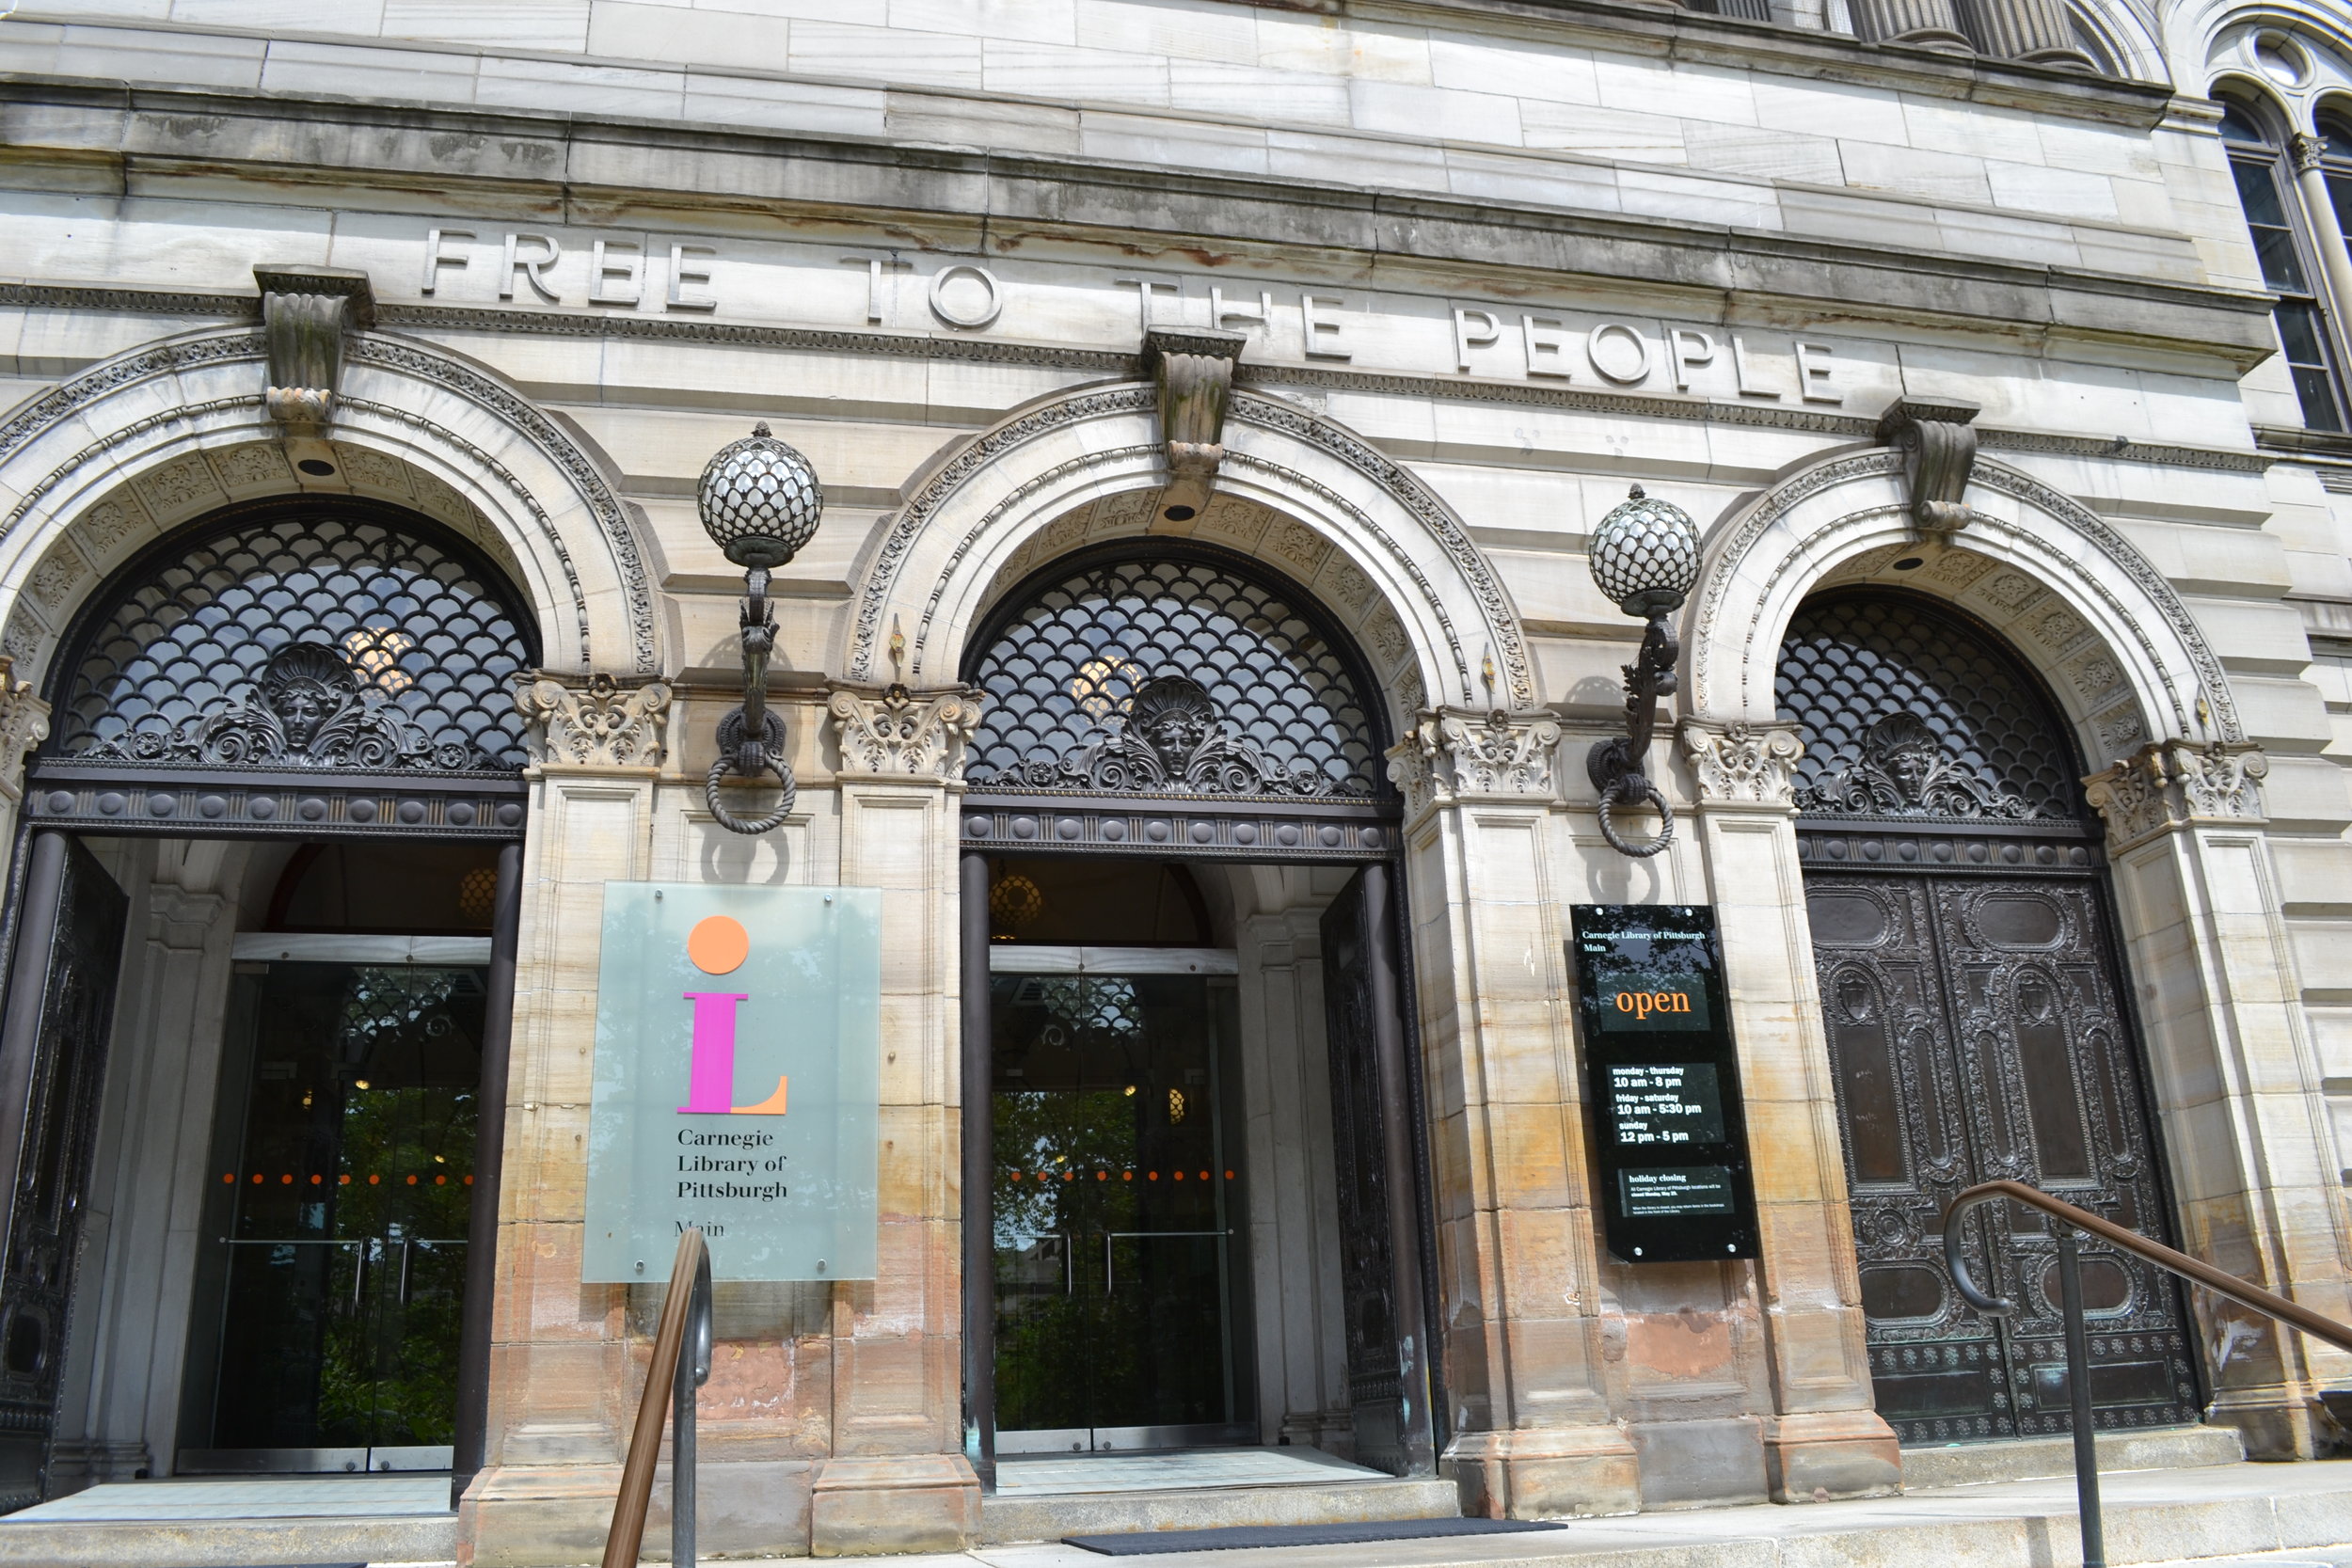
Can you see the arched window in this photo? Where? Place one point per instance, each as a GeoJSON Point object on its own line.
{"type": "Point", "coordinates": [2266, 191]}
{"type": "Point", "coordinates": [305, 665]}
{"type": "Point", "coordinates": [1186, 699]}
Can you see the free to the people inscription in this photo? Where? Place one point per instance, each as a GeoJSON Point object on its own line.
{"type": "Point", "coordinates": [1664, 1083]}
{"type": "Point", "coordinates": [737, 1082]}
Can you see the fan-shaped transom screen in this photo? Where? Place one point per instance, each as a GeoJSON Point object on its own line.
{"type": "Point", "coordinates": [1186, 673]}
{"type": "Point", "coordinates": [1910, 711]}
{"type": "Point", "coordinates": [338, 635]}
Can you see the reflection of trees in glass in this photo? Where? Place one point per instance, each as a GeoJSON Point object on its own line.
{"type": "Point", "coordinates": [1049, 1133]}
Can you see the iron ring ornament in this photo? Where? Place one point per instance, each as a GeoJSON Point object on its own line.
{"type": "Point", "coordinates": [1645, 556]}
{"type": "Point", "coordinates": [759, 502]}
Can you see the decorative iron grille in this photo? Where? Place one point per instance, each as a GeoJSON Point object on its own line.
{"type": "Point", "coordinates": [344, 636]}
{"type": "Point", "coordinates": [1909, 711]}
{"type": "Point", "coordinates": [1184, 674]}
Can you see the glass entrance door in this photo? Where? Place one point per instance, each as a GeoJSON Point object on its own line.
{"type": "Point", "coordinates": [1116, 1195]}
{"type": "Point", "coordinates": [336, 1239]}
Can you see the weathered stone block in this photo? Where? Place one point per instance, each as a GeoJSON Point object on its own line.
{"type": "Point", "coordinates": [1845, 1454]}
{"type": "Point", "coordinates": [907, 1503]}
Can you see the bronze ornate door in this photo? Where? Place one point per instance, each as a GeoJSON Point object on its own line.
{"type": "Point", "coordinates": [1978, 1026]}
{"type": "Point", "coordinates": [52, 1064]}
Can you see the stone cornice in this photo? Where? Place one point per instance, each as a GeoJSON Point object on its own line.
{"type": "Point", "coordinates": [108, 137]}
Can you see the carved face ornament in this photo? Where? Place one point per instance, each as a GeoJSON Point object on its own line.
{"type": "Point", "coordinates": [1174, 715]}
{"type": "Point", "coordinates": [305, 686]}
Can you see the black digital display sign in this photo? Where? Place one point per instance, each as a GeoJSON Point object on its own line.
{"type": "Point", "coordinates": [1663, 1079]}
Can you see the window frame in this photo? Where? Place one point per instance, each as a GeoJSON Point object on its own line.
{"type": "Point", "coordinates": [2270, 157]}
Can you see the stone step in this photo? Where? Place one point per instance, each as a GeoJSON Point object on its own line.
{"type": "Point", "coordinates": [2031, 1457]}
{"type": "Point", "coordinates": [226, 1543]}
{"type": "Point", "coordinates": [1049, 1516]}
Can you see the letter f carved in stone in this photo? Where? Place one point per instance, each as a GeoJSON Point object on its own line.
{"type": "Point", "coordinates": [1194, 369]}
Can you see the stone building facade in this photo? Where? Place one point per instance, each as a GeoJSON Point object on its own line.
{"type": "Point", "coordinates": [1998, 348]}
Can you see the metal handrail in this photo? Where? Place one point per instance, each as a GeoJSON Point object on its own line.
{"type": "Point", "coordinates": [2077, 1336]}
{"type": "Point", "coordinates": [681, 1346]}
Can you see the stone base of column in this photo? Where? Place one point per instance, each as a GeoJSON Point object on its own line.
{"type": "Point", "coordinates": [1548, 1473]}
{"type": "Point", "coordinates": [923, 1502]}
{"type": "Point", "coordinates": [2275, 1423]}
{"type": "Point", "coordinates": [518, 1517]}
{"type": "Point", "coordinates": [1823, 1455]}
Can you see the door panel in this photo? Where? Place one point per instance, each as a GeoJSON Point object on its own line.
{"type": "Point", "coordinates": [51, 1180]}
{"type": "Point", "coordinates": [335, 1335]}
{"type": "Point", "coordinates": [1978, 1034]}
{"type": "Point", "coordinates": [1116, 1217]}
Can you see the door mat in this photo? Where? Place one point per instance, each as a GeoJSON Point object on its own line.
{"type": "Point", "coordinates": [1241, 1536]}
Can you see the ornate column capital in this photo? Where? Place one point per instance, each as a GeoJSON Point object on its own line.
{"type": "Point", "coordinates": [904, 734]}
{"type": "Point", "coordinates": [2171, 784]}
{"type": "Point", "coordinates": [1739, 764]}
{"type": "Point", "coordinates": [23, 724]}
{"type": "Point", "coordinates": [2305, 152]}
{"type": "Point", "coordinates": [601, 724]}
{"type": "Point", "coordinates": [1452, 753]}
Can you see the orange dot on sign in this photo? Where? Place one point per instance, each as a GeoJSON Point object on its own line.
{"type": "Point", "coordinates": [257, 1178]}
{"type": "Point", "coordinates": [1229, 1176]}
{"type": "Point", "coordinates": [1127, 1176]}
{"type": "Point", "coordinates": [343, 1181]}
{"type": "Point", "coordinates": [412, 1181]}
{"type": "Point", "coordinates": [469, 1179]}
{"type": "Point", "coordinates": [228, 1175]}
{"type": "Point", "coordinates": [1204, 1175]}
{"type": "Point", "coordinates": [1070, 1176]}
{"type": "Point", "coordinates": [1102, 1176]}
{"type": "Point", "coordinates": [718, 946]}
{"type": "Point", "coordinates": [316, 1180]}
{"type": "Point", "coordinates": [440, 1181]}
{"type": "Point", "coordinates": [374, 1180]}
{"type": "Point", "coordinates": [287, 1179]}
{"type": "Point", "coordinates": [1179, 1176]}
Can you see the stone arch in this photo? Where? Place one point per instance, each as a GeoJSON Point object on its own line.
{"type": "Point", "coordinates": [2117, 649]}
{"type": "Point", "coordinates": [1379, 547]}
{"type": "Point", "coordinates": [96, 466]}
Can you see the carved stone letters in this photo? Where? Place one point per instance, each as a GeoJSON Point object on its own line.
{"type": "Point", "coordinates": [305, 314]}
{"type": "Point", "coordinates": [601, 725]}
{"type": "Point", "coordinates": [1193, 371]}
{"type": "Point", "coordinates": [912, 734]}
{"type": "Point", "coordinates": [2171, 783]}
{"type": "Point", "coordinates": [1742, 763]}
{"type": "Point", "coordinates": [1938, 440]}
{"type": "Point", "coordinates": [1456, 753]}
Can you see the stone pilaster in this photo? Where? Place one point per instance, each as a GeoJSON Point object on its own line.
{"type": "Point", "coordinates": [2036, 31]}
{"type": "Point", "coordinates": [565, 1368]}
{"type": "Point", "coordinates": [1519, 1276]}
{"type": "Point", "coordinates": [898, 1480]}
{"type": "Point", "coordinates": [1927, 23]}
{"type": "Point", "coordinates": [2234, 1070]}
{"type": "Point", "coordinates": [1823, 1438]}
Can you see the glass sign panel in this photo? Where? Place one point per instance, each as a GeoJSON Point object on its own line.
{"type": "Point", "coordinates": [737, 1082]}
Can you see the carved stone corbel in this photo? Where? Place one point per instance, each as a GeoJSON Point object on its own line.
{"type": "Point", "coordinates": [1194, 369]}
{"type": "Point", "coordinates": [305, 314]}
{"type": "Point", "coordinates": [2171, 782]}
{"type": "Point", "coordinates": [599, 725]}
{"type": "Point", "coordinates": [1938, 439]}
{"type": "Point", "coordinates": [908, 735]}
{"type": "Point", "coordinates": [1450, 753]}
{"type": "Point", "coordinates": [1739, 764]}
{"type": "Point", "coordinates": [24, 725]}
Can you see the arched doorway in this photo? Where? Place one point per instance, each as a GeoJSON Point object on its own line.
{"type": "Point", "coordinates": [257, 1004]}
{"type": "Point", "coordinates": [1162, 716]}
{"type": "Point", "coordinates": [1977, 1016]}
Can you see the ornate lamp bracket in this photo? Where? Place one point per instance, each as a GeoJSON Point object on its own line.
{"type": "Point", "coordinates": [759, 502]}
{"type": "Point", "coordinates": [1645, 556]}
{"type": "Point", "coordinates": [1938, 440]}
{"type": "Point", "coordinates": [1194, 369]}
{"type": "Point", "coordinates": [305, 314]}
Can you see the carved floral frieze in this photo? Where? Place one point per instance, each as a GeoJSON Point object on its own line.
{"type": "Point", "coordinates": [602, 724]}
{"type": "Point", "coordinates": [1452, 753]}
{"type": "Point", "coordinates": [904, 733]}
{"type": "Point", "coordinates": [2166, 784]}
{"type": "Point", "coordinates": [1742, 763]}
